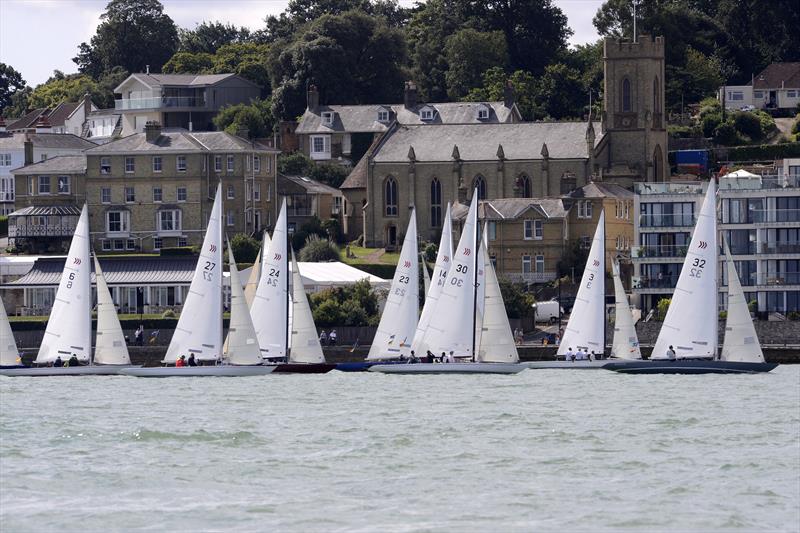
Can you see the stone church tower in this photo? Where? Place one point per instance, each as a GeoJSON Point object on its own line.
{"type": "Point", "coordinates": [634, 147]}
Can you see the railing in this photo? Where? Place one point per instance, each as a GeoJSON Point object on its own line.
{"type": "Point", "coordinates": [664, 282]}
{"type": "Point", "coordinates": [530, 277]}
{"type": "Point", "coordinates": [158, 102]}
{"type": "Point", "coordinates": [6, 196]}
{"type": "Point", "coordinates": [792, 247]}
{"type": "Point", "coordinates": [65, 230]}
{"type": "Point", "coordinates": [775, 215]}
{"type": "Point", "coordinates": [770, 181]}
{"type": "Point", "coordinates": [660, 251]}
{"type": "Point", "coordinates": [664, 221]}
{"type": "Point", "coordinates": [668, 188]}
{"type": "Point", "coordinates": [299, 211]}
{"type": "Point", "coordinates": [778, 278]}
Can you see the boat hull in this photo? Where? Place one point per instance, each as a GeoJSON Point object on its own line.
{"type": "Point", "coordinates": [566, 365]}
{"type": "Point", "coordinates": [450, 368]}
{"type": "Point", "coordinates": [198, 371]}
{"type": "Point", "coordinates": [43, 371]}
{"type": "Point", "coordinates": [304, 368]}
{"type": "Point", "coordinates": [353, 367]}
{"type": "Point", "coordinates": [688, 366]}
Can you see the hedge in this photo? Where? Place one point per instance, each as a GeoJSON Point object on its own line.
{"type": "Point", "coordinates": [3, 226]}
{"type": "Point", "coordinates": [760, 152]}
{"type": "Point", "coordinates": [377, 269]}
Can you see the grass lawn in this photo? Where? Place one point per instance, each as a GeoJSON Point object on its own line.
{"type": "Point", "coordinates": [362, 254]}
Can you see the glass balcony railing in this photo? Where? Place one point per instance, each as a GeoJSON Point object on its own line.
{"type": "Point", "coordinates": [791, 247]}
{"type": "Point", "coordinates": [660, 251]}
{"type": "Point", "coordinates": [159, 102]}
{"type": "Point", "coordinates": [778, 278]}
{"type": "Point", "coordinates": [664, 221]}
{"type": "Point", "coordinates": [655, 282]}
{"type": "Point", "coordinates": [668, 188]}
{"type": "Point", "coordinates": [775, 215]}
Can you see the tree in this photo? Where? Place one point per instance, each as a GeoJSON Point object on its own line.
{"type": "Point", "coordinates": [189, 63]}
{"type": "Point", "coordinates": [469, 54]}
{"type": "Point", "coordinates": [62, 88]}
{"type": "Point", "coordinates": [526, 91]}
{"type": "Point", "coordinates": [132, 34]}
{"type": "Point", "coordinates": [517, 300]}
{"type": "Point", "coordinates": [208, 37]}
{"type": "Point", "coordinates": [296, 164]}
{"type": "Point", "coordinates": [330, 174]}
{"type": "Point", "coordinates": [248, 60]}
{"type": "Point", "coordinates": [318, 250]}
{"type": "Point", "coordinates": [573, 260]}
{"type": "Point", "coordinates": [698, 77]}
{"type": "Point", "coordinates": [256, 117]}
{"type": "Point", "coordinates": [561, 92]}
{"type": "Point", "coordinates": [11, 82]}
{"type": "Point", "coordinates": [245, 248]}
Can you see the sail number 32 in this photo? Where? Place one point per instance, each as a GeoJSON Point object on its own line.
{"type": "Point", "coordinates": [697, 268]}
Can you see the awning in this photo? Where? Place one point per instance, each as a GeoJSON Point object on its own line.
{"type": "Point", "coordinates": [40, 210]}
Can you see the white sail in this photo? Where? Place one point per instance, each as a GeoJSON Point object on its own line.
{"type": "Point", "coordinates": [9, 355]}
{"type": "Point", "coordinates": [305, 342]}
{"type": "Point", "coordinates": [690, 326]}
{"type": "Point", "coordinates": [426, 277]}
{"type": "Point", "coordinates": [626, 342]}
{"type": "Point", "coordinates": [496, 340]}
{"type": "Point", "coordinates": [270, 309]}
{"type": "Point", "coordinates": [586, 327]}
{"type": "Point", "coordinates": [69, 328]}
{"type": "Point", "coordinates": [452, 321]}
{"type": "Point", "coordinates": [440, 269]}
{"type": "Point", "coordinates": [480, 297]}
{"type": "Point", "coordinates": [242, 344]}
{"type": "Point", "coordinates": [255, 273]}
{"type": "Point", "coordinates": [110, 347]}
{"type": "Point", "coordinates": [199, 329]}
{"type": "Point", "coordinates": [399, 319]}
{"type": "Point", "coordinates": [741, 342]}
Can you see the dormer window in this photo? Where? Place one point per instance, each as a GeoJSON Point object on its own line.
{"type": "Point", "coordinates": [427, 113]}
{"type": "Point", "coordinates": [327, 118]}
{"type": "Point", "coordinates": [383, 115]}
{"type": "Point", "coordinates": [483, 112]}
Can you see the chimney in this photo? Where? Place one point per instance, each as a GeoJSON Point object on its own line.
{"type": "Point", "coordinates": [152, 131]}
{"type": "Point", "coordinates": [410, 95]}
{"type": "Point", "coordinates": [2, 125]}
{"type": "Point", "coordinates": [508, 95]}
{"type": "Point", "coordinates": [43, 125]}
{"type": "Point", "coordinates": [28, 146]}
{"type": "Point", "coordinates": [312, 98]}
{"type": "Point", "coordinates": [87, 106]}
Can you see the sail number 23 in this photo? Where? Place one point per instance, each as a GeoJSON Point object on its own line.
{"type": "Point", "coordinates": [697, 268]}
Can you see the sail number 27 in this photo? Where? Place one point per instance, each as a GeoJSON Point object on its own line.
{"type": "Point", "coordinates": [208, 269]}
{"type": "Point", "coordinates": [697, 268]}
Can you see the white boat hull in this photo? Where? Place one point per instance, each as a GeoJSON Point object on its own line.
{"type": "Point", "coordinates": [566, 365]}
{"type": "Point", "coordinates": [450, 368]}
{"type": "Point", "coordinates": [198, 371]}
{"type": "Point", "coordinates": [90, 370]}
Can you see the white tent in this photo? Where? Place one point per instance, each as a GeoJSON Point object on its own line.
{"type": "Point", "coordinates": [319, 276]}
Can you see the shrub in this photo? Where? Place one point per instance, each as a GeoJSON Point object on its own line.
{"type": "Point", "coordinates": [793, 315]}
{"type": "Point", "coordinates": [723, 315]}
{"type": "Point", "coordinates": [169, 313]}
{"type": "Point", "coordinates": [333, 228]}
{"type": "Point", "coordinates": [752, 306]}
{"type": "Point", "coordinates": [747, 124]}
{"type": "Point", "coordinates": [518, 302]}
{"type": "Point", "coordinates": [430, 252]}
{"type": "Point", "coordinates": [245, 248]}
{"type": "Point", "coordinates": [317, 250]}
{"type": "Point", "coordinates": [3, 226]}
{"type": "Point", "coordinates": [328, 313]}
{"type": "Point", "coordinates": [683, 132]}
{"type": "Point", "coordinates": [726, 134]}
{"type": "Point", "coordinates": [179, 250]}
{"type": "Point", "coordinates": [767, 122]}
{"type": "Point", "coordinates": [796, 126]}
{"type": "Point", "coordinates": [333, 175]}
{"type": "Point", "coordinates": [764, 152]}
{"type": "Point", "coordinates": [353, 314]}
{"type": "Point", "coordinates": [709, 123]}
{"type": "Point", "coordinates": [661, 308]}
{"type": "Point", "coordinates": [296, 164]}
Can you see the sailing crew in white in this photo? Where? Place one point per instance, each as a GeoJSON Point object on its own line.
{"type": "Point", "coordinates": [570, 355]}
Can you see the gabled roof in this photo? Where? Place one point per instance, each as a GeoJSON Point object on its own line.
{"type": "Point", "coordinates": [62, 141]}
{"type": "Point", "coordinates": [513, 208]}
{"type": "Point", "coordinates": [479, 142]}
{"type": "Point", "coordinates": [601, 190]}
{"type": "Point", "coordinates": [57, 116]}
{"type": "Point", "coordinates": [357, 179]}
{"type": "Point", "coordinates": [28, 120]}
{"type": "Point", "coordinates": [183, 80]}
{"type": "Point", "coordinates": [311, 186]}
{"type": "Point", "coordinates": [62, 164]}
{"type": "Point", "coordinates": [180, 140]}
{"type": "Point", "coordinates": [778, 76]}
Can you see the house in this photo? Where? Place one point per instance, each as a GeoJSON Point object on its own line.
{"type": "Point", "coordinates": [775, 87]}
{"type": "Point", "coordinates": [336, 132]}
{"type": "Point", "coordinates": [102, 125]}
{"type": "Point", "coordinates": [307, 198]}
{"type": "Point", "coordinates": [188, 101]}
{"type": "Point", "coordinates": [66, 117]}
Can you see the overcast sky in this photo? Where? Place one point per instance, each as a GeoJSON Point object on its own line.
{"type": "Point", "coordinates": [38, 36]}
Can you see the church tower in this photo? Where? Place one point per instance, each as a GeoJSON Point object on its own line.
{"type": "Point", "coordinates": [634, 123]}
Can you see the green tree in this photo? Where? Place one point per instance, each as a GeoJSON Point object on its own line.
{"type": "Point", "coordinates": [526, 91]}
{"type": "Point", "coordinates": [62, 88]}
{"type": "Point", "coordinates": [469, 54]}
{"type": "Point", "coordinates": [698, 77]}
{"type": "Point", "coordinates": [317, 250]}
{"type": "Point", "coordinates": [208, 37]}
{"type": "Point", "coordinates": [561, 92]}
{"type": "Point", "coordinates": [245, 248]}
{"type": "Point", "coordinates": [330, 174]}
{"type": "Point", "coordinates": [132, 34]}
{"type": "Point", "coordinates": [296, 164]}
{"type": "Point", "coordinates": [661, 308]}
{"type": "Point", "coordinates": [517, 300]}
{"type": "Point", "coordinates": [11, 82]}
{"type": "Point", "coordinates": [256, 117]}
{"type": "Point", "coordinates": [248, 60]}
{"type": "Point", "coordinates": [328, 313]}
{"type": "Point", "coordinates": [573, 260]}
{"type": "Point", "coordinates": [189, 63]}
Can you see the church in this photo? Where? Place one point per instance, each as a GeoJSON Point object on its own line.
{"type": "Point", "coordinates": [429, 165]}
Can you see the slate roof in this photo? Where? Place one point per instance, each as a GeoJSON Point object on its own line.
{"type": "Point", "coordinates": [512, 208]}
{"type": "Point", "coordinates": [26, 121]}
{"type": "Point", "coordinates": [180, 140]}
{"type": "Point", "coordinates": [45, 140]}
{"type": "Point", "coordinates": [311, 186]}
{"type": "Point", "coordinates": [57, 116]}
{"type": "Point", "coordinates": [184, 80]}
{"type": "Point", "coordinates": [62, 164]}
{"type": "Point", "coordinates": [777, 76]}
{"type": "Point", "coordinates": [601, 190]}
{"type": "Point", "coordinates": [479, 142]}
{"type": "Point", "coordinates": [364, 118]}
{"type": "Point", "coordinates": [121, 270]}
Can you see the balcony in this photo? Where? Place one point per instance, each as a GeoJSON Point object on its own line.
{"type": "Point", "coordinates": [299, 211]}
{"type": "Point", "coordinates": [792, 247]}
{"type": "Point", "coordinates": [668, 188]}
{"type": "Point", "coordinates": [762, 216]}
{"type": "Point", "coordinates": [50, 230]}
{"type": "Point", "coordinates": [776, 279]}
{"type": "Point", "coordinates": [667, 221]}
{"type": "Point", "coordinates": [159, 102]}
{"type": "Point", "coordinates": [663, 282]}
{"type": "Point", "coordinates": [771, 181]}
{"type": "Point", "coordinates": [529, 277]}
{"type": "Point", "coordinates": [659, 251]}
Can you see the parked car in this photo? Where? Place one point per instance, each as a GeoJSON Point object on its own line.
{"type": "Point", "coordinates": [547, 312]}
{"type": "Point", "coordinates": [747, 108]}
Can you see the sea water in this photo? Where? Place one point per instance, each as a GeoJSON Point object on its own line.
{"type": "Point", "coordinates": [545, 450]}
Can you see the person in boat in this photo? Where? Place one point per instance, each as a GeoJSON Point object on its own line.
{"type": "Point", "coordinates": [402, 358]}
{"type": "Point", "coordinates": [429, 357]}
{"type": "Point", "coordinates": [192, 361]}
{"type": "Point", "coordinates": [451, 358]}
{"type": "Point", "coordinates": [671, 353]}
{"type": "Point", "coordinates": [180, 361]}
{"type": "Point", "coordinates": [73, 361]}
{"type": "Point", "coordinates": [332, 337]}
{"type": "Point", "coordinates": [443, 358]}
{"type": "Point", "coordinates": [570, 355]}
{"type": "Point", "coordinates": [58, 362]}
{"type": "Point", "coordinates": [413, 358]}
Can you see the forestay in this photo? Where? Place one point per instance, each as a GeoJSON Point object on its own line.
{"type": "Point", "coordinates": [626, 342]}
{"type": "Point", "coordinates": [110, 347]}
{"type": "Point", "coordinates": [9, 356]}
{"type": "Point", "coordinates": [452, 322]}
{"type": "Point", "coordinates": [69, 328]}
{"type": "Point", "coordinates": [586, 326]}
{"type": "Point", "coordinates": [690, 326]}
{"type": "Point", "coordinates": [270, 309]}
{"type": "Point", "coordinates": [399, 319]}
{"type": "Point", "coordinates": [496, 340]}
{"type": "Point", "coordinates": [199, 329]}
{"type": "Point", "coordinates": [440, 270]}
{"type": "Point", "coordinates": [480, 287]}
{"type": "Point", "coordinates": [741, 342]}
{"type": "Point", "coordinates": [305, 342]}
{"type": "Point", "coordinates": [242, 345]}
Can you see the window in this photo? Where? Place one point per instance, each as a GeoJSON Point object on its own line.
{"type": "Point", "coordinates": [117, 221]}
{"type": "Point", "coordinates": [426, 113]}
{"type": "Point", "coordinates": [483, 113]}
{"type": "Point", "coordinates": [129, 165]}
{"type": "Point", "coordinates": [180, 163]}
{"type": "Point", "coordinates": [231, 163]}
{"type": "Point", "coordinates": [119, 244]}
{"type": "Point", "coordinates": [540, 264]}
{"type": "Point", "coordinates": [105, 165]}
{"type": "Point", "coordinates": [5, 160]}
{"type": "Point", "coordinates": [586, 242]}
{"type": "Point", "coordinates": [231, 192]}
{"type": "Point", "coordinates": [492, 230]}
{"type": "Point", "coordinates": [791, 94]}
{"type": "Point", "coordinates": [538, 230]}
{"type": "Point", "coordinates": [320, 146]}
{"type": "Point", "coordinates": [346, 144]}
{"type": "Point", "coordinates": [169, 220]}
{"type": "Point", "coordinates": [217, 163]}
{"type": "Point", "coordinates": [63, 185]}
{"type": "Point", "coordinates": [626, 95]}
{"type": "Point", "coordinates": [656, 96]}
{"type": "Point", "coordinates": [158, 194]}
{"type": "Point", "coordinates": [157, 243]}
{"type": "Point", "coordinates": [735, 96]}
{"type": "Point", "coordinates": [247, 162]}
{"type": "Point", "coordinates": [527, 229]}
{"type": "Point", "coordinates": [257, 163]}
{"type": "Point", "coordinates": [105, 195]}
{"type": "Point", "coordinates": [758, 94]}
{"type": "Point", "coordinates": [106, 245]}
{"type": "Point", "coordinates": [269, 163]}
{"type": "Point", "coordinates": [43, 157]}
{"type": "Point", "coordinates": [181, 194]}
{"type": "Point", "coordinates": [526, 264]}
{"type": "Point", "coordinates": [390, 197]}
{"type": "Point", "coordinates": [182, 242]}
{"type": "Point", "coordinates": [436, 203]}
{"type": "Point", "coordinates": [269, 192]}
{"type": "Point", "coordinates": [44, 184]}
{"type": "Point", "coordinates": [130, 244]}
{"type": "Point", "coordinates": [585, 209]}
{"type": "Point", "coordinates": [130, 195]}
{"type": "Point", "coordinates": [157, 163]}
{"type": "Point", "coordinates": [257, 192]}
{"type": "Point", "coordinates": [327, 118]}
{"type": "Point", "coordinates": [480, 184]}
{"type": "Point", "coordinates": [31, 185]}
{"type": "Point", "coordinates": [383, 115]}
{"type": "Point", "coordinates": [230, 218]}
{"type": "Point", "coordinates": [337, 205]}
{"type": "Point", "coordinates": [524, 184]}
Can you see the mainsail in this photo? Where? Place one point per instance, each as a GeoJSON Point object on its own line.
{"type": "Point", "coordinates": [496, 339]}
{"type": "Point", "coordinates": [242, 344]}
{"type": "Point", "coordinates": [626, 342]}
{"type": "Point", "coordinates": [110, 347]}
{"type": "Point", "coordinates": [586, 327]}
{"type": "Point", "coordinates": [399, 319]}
{"type": "Point", "coordinates": [69, 329]}
{"type": "Point", "coordinates": [270, 308]}
{"type": "Point", "coordinates": [440, 269]}
{"type": "Point", "coordinates": [9, 356]}
{"type": "Point", "coordinates": [199, 329]}
{"type": "Point", "coordinates": [741, 342]}
{"type": "Point", "coordinates": [452, 321]}
{"type": "Point", "coordinates": [305, 347]}
{"type": "Point", "coordinates": [690, 326]}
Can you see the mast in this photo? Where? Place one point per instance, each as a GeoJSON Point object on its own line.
{"type": "Point", "coordinates": [475, 278]}
{"type": "Point", "coordinates": [288, 303]}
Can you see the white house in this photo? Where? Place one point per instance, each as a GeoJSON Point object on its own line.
{"type": "Point", "coordinates": [775, 87]}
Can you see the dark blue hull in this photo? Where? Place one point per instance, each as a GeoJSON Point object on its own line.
{"type": "Point", "coordinates": [353, 367]}
{"type": "Point", "coordinates": [688, 366]}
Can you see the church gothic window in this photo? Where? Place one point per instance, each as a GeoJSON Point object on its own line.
{"type": "Point", "coordinates": [390, 197]}
{"type": "Point", "coordinates": [656, 96]}
{"type": "Point", "coordinates": [626, 95]}
{"type": "Point", "coordinates": [480, 184]}
{"type": "Point", "coordinates": [436, 203]}
{"type": "Point", "coordinates": [525, 186]}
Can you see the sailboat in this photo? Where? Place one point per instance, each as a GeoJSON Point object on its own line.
{"type": "Point", "coordinates": [585, 329]}
{"type": "Point", "coordinates": [199, 329]}
{"type": "Point", "coordinates": [9, 355]}
{"type": "Point", "coordinates": [690, 327]}
{"type": "Point", "coordinates": [453, 327]}
{"type": "Point", "coordinates": [626, 343]}
{"type": "Point", "coordinates": [110, 347]}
